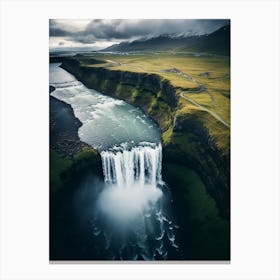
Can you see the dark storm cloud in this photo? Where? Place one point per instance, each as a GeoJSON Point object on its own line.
{"type": "Point", "coordinates": [122, 29]}
{"type": "Point", "coordinates": [59, 30]}
{"type": "Point", "coordinates": [129, 29]}
{"type": "Point", "coordinates": [84, 39]}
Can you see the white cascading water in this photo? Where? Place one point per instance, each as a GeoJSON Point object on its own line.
{"type": "Point", "coordinates": [131, 177]}
{"type": "Point", "coordinates": [138, 167]}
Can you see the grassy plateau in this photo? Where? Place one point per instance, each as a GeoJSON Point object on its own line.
{"type": "Point", "coordinates": [211, 72]}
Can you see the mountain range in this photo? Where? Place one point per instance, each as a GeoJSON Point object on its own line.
{"type": "Point", "coordinates": [217, 42]}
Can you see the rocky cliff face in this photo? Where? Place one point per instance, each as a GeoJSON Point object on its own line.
{"type": "Point", "coordinates": [155, 96]}
{"type": "Point", "coordinates": [190, 144]}
{"type": "Point", "coordinates": [202, 155]}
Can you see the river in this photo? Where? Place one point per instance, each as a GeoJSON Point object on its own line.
{"type": "Point", "coordinates": [130, 214]}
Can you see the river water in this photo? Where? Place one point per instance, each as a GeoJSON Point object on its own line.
{"type": "Point", "coordinates": [131, 210]}
{"type": "Point", "coordinates": [107, 122]}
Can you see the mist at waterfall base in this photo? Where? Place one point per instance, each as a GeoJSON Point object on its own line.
{"type": "Point", "coordinates": [132, 177]}
{"type": "Point", "coordinates": [125, 221]}
{"type": "Point", "coordinates": [128, 215]}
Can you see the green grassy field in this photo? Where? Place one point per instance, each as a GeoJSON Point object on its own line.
{"type": "Point", "coordinates": [194, 66]}
{"type": "Point", "coordinates": [212, 72]}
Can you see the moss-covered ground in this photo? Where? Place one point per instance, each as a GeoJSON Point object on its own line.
{"type": "Point", "coordinates": [205, 235]}
{"type": "Point", "coordinates": [63, 169]}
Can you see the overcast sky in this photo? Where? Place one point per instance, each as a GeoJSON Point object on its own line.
{"type": "Point", "coordinates": [100, 33]}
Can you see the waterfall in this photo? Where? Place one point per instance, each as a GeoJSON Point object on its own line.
{"type": "Point", "coordinates": [132, 203]}
{"type": "Point", "coordinates": [132, 176]}
{"type": "Point", "coordinates": [138, 167]}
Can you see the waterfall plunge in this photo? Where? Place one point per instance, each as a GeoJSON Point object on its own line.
{"type": "Point", "coordinates": [131, 177]}
{"type": "Point", "coordinates": [139, 167]}
{"type": "Point", "coordinates": [130, 209]}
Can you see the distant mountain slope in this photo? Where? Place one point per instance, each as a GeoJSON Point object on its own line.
{"type": "Point", "coordinates": [217, 42]}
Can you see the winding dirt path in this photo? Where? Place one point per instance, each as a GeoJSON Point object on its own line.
{"type": "Point", "coordinates": [216, 116]}
{"type": "Point", "coordinates": [200, 89]}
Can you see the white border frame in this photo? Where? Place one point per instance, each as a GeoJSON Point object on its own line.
{"type": "Point", "coordinates": [254, 130]}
